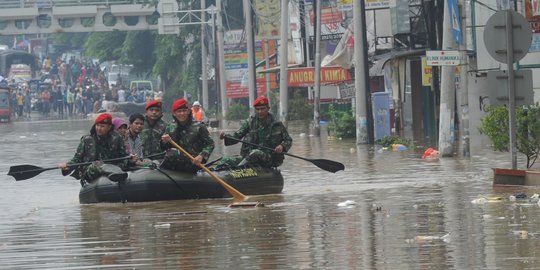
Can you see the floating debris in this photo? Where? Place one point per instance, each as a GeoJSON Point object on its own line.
{"type": "Point", "coordinates": [346, 203]}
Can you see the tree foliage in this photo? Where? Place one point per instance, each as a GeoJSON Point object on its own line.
{"type": "Point", "coordinates": [138, 50]}
{"type": "Point", "coordinates": [105, 46]}
{"type": "Point", "coordinates": [341, 124]}
{"type": "Point", "coordinates": [70, 40]}
{"type": "Point", "coordinates": [495, 125]}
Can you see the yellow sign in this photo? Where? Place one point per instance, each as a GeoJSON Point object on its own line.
{"type": "Point", "coordinates": [243, 173]}
{"type": "Point", "coordinates": [426, 73]}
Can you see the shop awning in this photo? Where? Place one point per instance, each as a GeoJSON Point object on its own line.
{"type": "Point", "coordinates": [276, 69]}
{"type": "Point", "coordinates": [381, 59]}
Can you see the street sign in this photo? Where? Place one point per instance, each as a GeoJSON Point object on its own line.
{"type": "Point", "coordinates": [443, 58]}
{"type": "Point", "coordinates": [498, 89]}
{"type": "Point", "coordinates": [455, 20]}
{"type": "Point", "coordinates": [495, 36]}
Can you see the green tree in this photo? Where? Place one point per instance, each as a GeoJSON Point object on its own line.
{"type": "Point", "coordinates": [70, 40]}
{"type": "Point", "coordinates": [178, 62]}
{"type": "Point", "coordinates": [138, 50]}
{"type": "Point", "coordinates": [105, 46]}
{"type": "Point", "coordinates": [495, 125]}
{"type": "Point", "coordinates": [341, 123]}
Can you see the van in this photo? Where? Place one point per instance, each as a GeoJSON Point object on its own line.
{"type": "Point", "coordinates": [143, 85]}
{"type": "Point", "coordinates": [118, 74]}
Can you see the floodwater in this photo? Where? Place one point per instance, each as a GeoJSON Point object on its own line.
{"type": "Point", "coordinates": [387, 210]}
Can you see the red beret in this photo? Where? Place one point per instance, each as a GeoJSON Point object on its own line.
{"type": "Point", "coordinates": [153, 103]}
{"type": "Point", "coordinates": [260, 101]}
{"type": "Point", "coordinates": [104, 118]}
{"type": "Point", "coordinates": [178, 104]}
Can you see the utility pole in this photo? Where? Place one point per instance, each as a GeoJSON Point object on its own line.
{"type": "Point", "coordinates": [250, 40]}
{"type": "Point", "coordinates": [316, 128]}
{"type": "Point", "coordinates": [284, 58]}
{"type": "Point", "coordinates": [464, 99]}
{"type": "Point", "coordinates": [267, 66]}
{"type": "Point", "coordinates": [361, 82]}
{"type": "Point", "coordinates": [221, 61]}
{"type": "Point", "coordinates": [448, 101]}
{"type": "Point", "coordinates": [204, 56]}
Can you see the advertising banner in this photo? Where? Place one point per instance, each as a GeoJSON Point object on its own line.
{"type": "Point", "coordinates": [236, 65]}
{"type": "Point", "coordinates": [305, 77]}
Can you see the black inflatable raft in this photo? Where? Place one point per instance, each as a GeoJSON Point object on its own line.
{"type": "Point", "coordinates": [145, 185]}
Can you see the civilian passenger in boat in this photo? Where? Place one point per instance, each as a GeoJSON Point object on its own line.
{"type": "Point", "coordinates": [136, 125]}
{"type": "Point", "coordinates": [191, 135]}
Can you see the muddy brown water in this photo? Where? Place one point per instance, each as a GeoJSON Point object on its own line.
{"type": "Point", "coordinates": [387, 210]}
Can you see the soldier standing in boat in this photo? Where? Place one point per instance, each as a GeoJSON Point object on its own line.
{"type": "Point", "coordinates": [101, 144]}
{"type": "Point", "coordinates": [262, 129]}
{"type": "Point", "coordinates": [191, 135]}
{"type": "Point", "coordinates": [154, 128]}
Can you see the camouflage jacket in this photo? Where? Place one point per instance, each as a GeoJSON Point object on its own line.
{"type": "Point", "coordinates": [151, 136]}
{"type": "Point", "coordinates": [269, 133]}
{"type": "Point", "coordinates": [193, 137]}
{"type": "Point", "coordinates": [93, 148]}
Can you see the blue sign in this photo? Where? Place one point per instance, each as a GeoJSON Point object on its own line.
{"type": "Point", "coordinates": [455, 20]}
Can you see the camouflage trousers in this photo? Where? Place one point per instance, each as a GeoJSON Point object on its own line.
{"type": "Point", "coordinates": [97, 169]}
{"type": "Point", "coordinates": [174, 160]}
{"type": "Point", "coordinates": [255, 157]}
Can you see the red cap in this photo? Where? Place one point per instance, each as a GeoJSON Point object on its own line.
{"type": "Point", "coordinates": [153, 103]}
{"type": "Point", "coordinates": [104, 118]}
{"type": "Point", "coordinates": [260, 101]}
{"type": "Point", "coordinates": [179, 103]}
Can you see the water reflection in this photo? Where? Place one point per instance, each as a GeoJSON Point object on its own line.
{"type": "Point", "coordinates": [402, 213]}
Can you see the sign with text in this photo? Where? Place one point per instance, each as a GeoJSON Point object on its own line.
{"type": "Point", "coordinates": [426, 73]}
{"type": "Point", "coordinates": [347, 90]}
{"type": "Point", "coordinates": [305, 77]}
{"type": "Point", "coordinates": [443, 58]}
{"type": "Point", "coordinates": [532, 13]}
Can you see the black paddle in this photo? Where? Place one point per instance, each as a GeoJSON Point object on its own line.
{"type": "Point", "coordinates": [23, 172]}
{"type": "Point", "coordinates": [325, 164]}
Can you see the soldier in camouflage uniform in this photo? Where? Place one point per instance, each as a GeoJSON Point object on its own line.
{"type": "Point", "coordinates": [154, 128]}
{"type": "Point", "coordinates": [101, 144]}
{"type": "Point", "coordinates": [262, 129]}
{"type": "Point", "coordinates": [190, 135]}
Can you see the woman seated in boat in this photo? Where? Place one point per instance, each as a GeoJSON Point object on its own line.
{"type": "Point", "coordinates": [101, 144]}
{"type": "Point", "coordinates": [189, 134]}
{"type": "Point", "coordinates": [262, 129]}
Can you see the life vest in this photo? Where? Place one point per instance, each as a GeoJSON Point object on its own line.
{"type": "Point", "coordinates": [197, 115]}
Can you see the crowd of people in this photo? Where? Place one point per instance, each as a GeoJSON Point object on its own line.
{"type": "Point", "coordinates": [74, 87]}
{"type": "Point", "coordinates": [114, 145]}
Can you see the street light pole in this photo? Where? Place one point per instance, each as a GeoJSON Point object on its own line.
{"type": "Point", "coordinates": [316, 128]}
{"type": "Point", "coordinates": [221, 61]}
{"type": "Point", "coordinates": [251, 54]}
{"type": "Point", "coordinates": [204, 57]}
{"type": "Point", "coordinates": [284, 59]}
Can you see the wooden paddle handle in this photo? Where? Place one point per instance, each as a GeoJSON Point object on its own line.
{"type": "Point", "coordinates": [238, 196]}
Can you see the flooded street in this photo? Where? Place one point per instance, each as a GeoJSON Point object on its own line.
{"type": "Point", "coordinates": [387, 210]}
